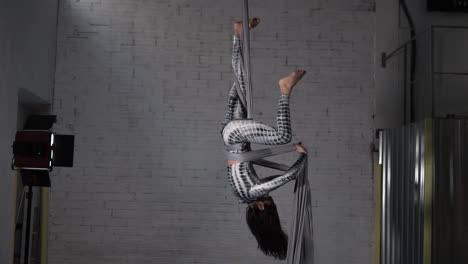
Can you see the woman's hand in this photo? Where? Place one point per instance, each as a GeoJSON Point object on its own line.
{"type": "Point", "coordinates": [300, 148]}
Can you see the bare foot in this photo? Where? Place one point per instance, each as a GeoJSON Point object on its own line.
{"type": "Point", "coordinates": [238, 25]}
{"type": "Point", "coordinates": [287, 83]}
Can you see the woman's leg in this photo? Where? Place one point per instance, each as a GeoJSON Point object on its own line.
{"type": "Point", "coordinates": [252, 131]}
{"type": "Point", "coordinates": [238, 69]}
{"type": "Point", "coordinates": [236, 109]}
{"type": "Point", "coordinates": [237, 59]}
{"type": "Point", "coordinates": [240, 131]}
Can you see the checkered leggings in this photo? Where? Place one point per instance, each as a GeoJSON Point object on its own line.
{"type": "Point", "coordinates": [235, 128]}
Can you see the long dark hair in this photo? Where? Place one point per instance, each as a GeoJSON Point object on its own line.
{"type": "Point", "coordinates": [266, 227]}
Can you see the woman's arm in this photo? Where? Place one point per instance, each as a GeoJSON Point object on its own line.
{"type": "Point", "coordinates": [271, 183]}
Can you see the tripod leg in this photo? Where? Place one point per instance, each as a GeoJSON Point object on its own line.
{"type": "Point", "coordinates": [19, 228]}
{"type": "Point", "coordinates": [20, 206]}
{"type": "Point", "coordinates": [28, 226]}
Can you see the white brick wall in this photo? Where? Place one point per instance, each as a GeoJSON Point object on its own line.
{"type": "Point", "coordinates": [143, 85]}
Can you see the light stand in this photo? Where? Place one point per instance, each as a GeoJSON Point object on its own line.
{"type": "Point", "coordinates": [38, 178]}
{"type": "Point", "coordinates": [36, 150]}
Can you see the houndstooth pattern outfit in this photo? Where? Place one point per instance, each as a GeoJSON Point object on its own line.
{"type": "Point", "coordinates": [235, 129]}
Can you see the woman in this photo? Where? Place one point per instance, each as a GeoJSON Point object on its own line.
{"type": "Point", "coordinates": [261, 214]}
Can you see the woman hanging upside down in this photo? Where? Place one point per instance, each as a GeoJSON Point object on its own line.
{"type": "Point", "coordinates": [262, 216]}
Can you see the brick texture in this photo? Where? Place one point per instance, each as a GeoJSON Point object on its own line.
{"type": "Point", "coordinates": [143, 85]}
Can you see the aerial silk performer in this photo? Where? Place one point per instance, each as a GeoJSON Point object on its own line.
{"type": "Point", "coordinates": [238, 132]}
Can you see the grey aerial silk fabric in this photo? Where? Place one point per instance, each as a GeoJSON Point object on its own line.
{"type": "Point", "coordinates": [256, 154]}
{"type": "Point", "coordinates": [246, 36]}
{"type": "Point", "coordinates": [300, 239]}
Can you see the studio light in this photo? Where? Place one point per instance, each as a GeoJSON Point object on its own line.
{"type": "Point", "coordinates": [33, 150]}
{"type": "Point", "coordinates": [38, 148]}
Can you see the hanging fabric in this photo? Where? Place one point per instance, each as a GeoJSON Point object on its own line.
{"type": "Point", "coordinates": [246, 56]}
{"type": "Point", "coordinates": [300, 239]}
